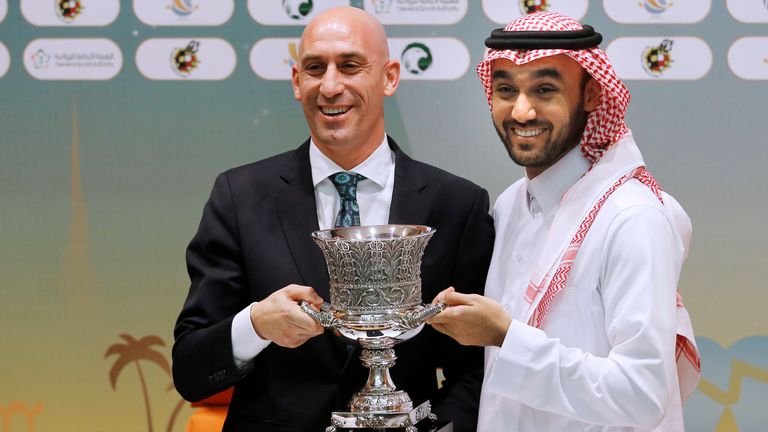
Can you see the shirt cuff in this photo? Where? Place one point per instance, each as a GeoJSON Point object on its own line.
{"type": "Point", "coordinates": [513, 360]}
{"type": "Point", "coordinates": [246, 343]}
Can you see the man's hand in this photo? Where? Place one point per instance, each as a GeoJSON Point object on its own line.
{"type": "Point", "coordinates": [471, 319]}
{"type": "Point", "coordinates": [280, 319]}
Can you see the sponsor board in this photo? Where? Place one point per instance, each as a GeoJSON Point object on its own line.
{"type": "Point", "coordinates": [289, 12]}
{"type": "Point", "coordinates": [61, 13]}
{"type": "Point", "coordinates": [184, 12]}
{"type": "Point", "coordinates": [5, 60]}
{"type": "Point", "coordinates": [272, 58]}
{"type": "Point", "coordinates": [181, 59]}
{"type": "Point", "coordinates": [504, 11]}
{"type": "Point", "coordinates": [748, 11]}
{"type": "Point", "coordinates": [748, 58]}
{"type": "Point", "coordinates": [69, 59]}
{"type": "Point", "coordinates": [420, 58]}
{"type": "Point", "coordinates": [657, 11]}
{"type": "Point", "coordinates": [430, 12]}
{"type": "Point", "coordinates": [663, 58]}
{"type": "Point", "coordinates": [3, 9]}
{"type": "Point", "coordinates": [430, 58]}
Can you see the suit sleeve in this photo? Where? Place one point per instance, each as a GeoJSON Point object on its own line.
{"type": "Point", "coordinates": [462, 365]}
{"type": "Point", "coordinates": [203, 363]}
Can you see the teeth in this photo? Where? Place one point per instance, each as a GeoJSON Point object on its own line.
{"type": "Point", "coordinates": [528, 133]}
{"type": "Point", "coordinates": [334, 111]}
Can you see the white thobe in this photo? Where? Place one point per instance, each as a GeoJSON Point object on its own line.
{"type": "Point", "coordinates": [604, 359]}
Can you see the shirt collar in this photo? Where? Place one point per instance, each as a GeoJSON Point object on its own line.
{"type": "Point", "coordinates": [547, 188]}
{"type": "Point", "coordinates": [375, 168]}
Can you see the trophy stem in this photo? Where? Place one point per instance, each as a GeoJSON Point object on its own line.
{"type": "Point", "coordinates": [379, 393]}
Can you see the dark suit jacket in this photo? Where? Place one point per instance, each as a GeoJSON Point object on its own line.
{"type": "Point", "coordinates": [254, 238]}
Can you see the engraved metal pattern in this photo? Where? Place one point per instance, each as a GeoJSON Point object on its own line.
{"type": "Point", "coordinates": [370, 275]}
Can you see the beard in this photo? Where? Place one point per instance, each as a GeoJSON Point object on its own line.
{"type": "Point", "coordinates": [559, 143]}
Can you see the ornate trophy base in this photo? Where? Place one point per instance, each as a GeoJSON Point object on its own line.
{"type": "Point", "coordinates": [381, 420]}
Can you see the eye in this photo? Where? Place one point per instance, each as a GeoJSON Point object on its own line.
{"type": "Point", "coordinates": [504, 90]}
{"type": "Point", "coordinates": [314, 69]}
{"type": "Point", "coordinates": [350, 67]}
{"type": "Point", "coordinates": [545, 90]}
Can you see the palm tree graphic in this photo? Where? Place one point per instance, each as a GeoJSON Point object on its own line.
{"type": "Point", "coordinates": [134, 351]}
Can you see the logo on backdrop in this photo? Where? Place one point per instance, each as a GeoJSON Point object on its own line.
{"type": "Point", "coordinates": [416, 58]}
{"type": "Point", "coordinates": [293, 54]}
{"type": "Point", "coordinates": [656, 6]}
{"type": "Point", "coordinates": [183, 8]}
{"type": "Point", "coordinates": [297, 9]}
{"type": "Point", "coordinates": [40, 59]}
{"type": "Point", "coordinates": [531, 6]}
{"type": "Point", "coordinates": [185, 60]}
{"type": "Point", "coordinates": [69, 10]}
{"type": "Point", "coordinates": [657, 59]}
{"type": "Point", "coordinates": [383, 6]}
{"type": "Point", "coordinates": [413, 12]}
{"type": "Point", "coordinates": [73, 59]}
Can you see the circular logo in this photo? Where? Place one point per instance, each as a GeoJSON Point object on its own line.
{"type": "Point", "coordinates": [185, 60]}
{"type": "Point", "coordinates": [183, 8]}
{"type": "Point", "coordinates": [656, 6]}
{"type": "Point", "coordinates": [69, 10]}
{"type": "Point", "coordinates": [417, 58]}
{"type": "Point", "coordinates": [657, 59]}
{"type": "Point", "coordinates": [297, 9]}
{"type": "Point", "coordinates": [531, 6]}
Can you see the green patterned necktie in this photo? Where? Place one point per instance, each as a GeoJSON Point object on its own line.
{"type": "Point", "coordinates": [346, 186]}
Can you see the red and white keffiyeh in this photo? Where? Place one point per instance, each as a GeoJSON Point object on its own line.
{"type": "Point", "coordinates": [605, 125]}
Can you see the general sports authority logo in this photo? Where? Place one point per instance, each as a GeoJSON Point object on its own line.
{"type": "Point", "coordinates": [531, 6]}
{"type": "Point", "coordinates": [657, 59]}
{"type": "Point", "coordinates": [417, 58]}
{"type": "Point", "coordinates": [185, 60]}
{"type": "Point", "coordinates": [383, 6]}
{"type": "Point", "coordinates": [656, 6]}
{"type": "Point", "coordinates": [297, 9]}
{"type": "Point", "coordinates": [68, 10]}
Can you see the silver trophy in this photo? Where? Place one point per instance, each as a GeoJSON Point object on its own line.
{"type": "Point", "coordinates": [375, 288]}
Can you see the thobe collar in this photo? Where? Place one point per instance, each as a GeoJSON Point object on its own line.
{"type": "Point", "coordinates": [546, 189]}
{"type": "Point", "coordinates": [375, 168]}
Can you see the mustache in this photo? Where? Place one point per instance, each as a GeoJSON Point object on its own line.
{"type": "Point", "coordinates": [512, 124]}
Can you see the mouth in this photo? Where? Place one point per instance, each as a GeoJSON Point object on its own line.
{"type": "Point", "coordinates": [528, 133]}
{"type": "Point", "coordinates": [334, 111]}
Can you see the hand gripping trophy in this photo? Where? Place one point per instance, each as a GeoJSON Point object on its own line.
{"type": "Point", "coordinates": [375, 286]}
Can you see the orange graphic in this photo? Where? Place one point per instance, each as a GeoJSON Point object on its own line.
{"type": "Point", "coordinates": [20, 408]}
{"type": "Point", "coordinates": [134, 352]}
{"type": "Point", "coordinates": [729, 397]}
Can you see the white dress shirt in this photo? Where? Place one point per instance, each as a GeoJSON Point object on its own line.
{"type": "Point", "coordinates": [604, 359]}
{"type": "Point", "coordinates": [374, 196]}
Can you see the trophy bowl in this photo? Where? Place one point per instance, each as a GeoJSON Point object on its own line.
{"type": "Point", "coordinates": [375, 288]}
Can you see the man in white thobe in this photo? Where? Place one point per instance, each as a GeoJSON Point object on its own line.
{"type": "Point", "coordinates": [581, 318]}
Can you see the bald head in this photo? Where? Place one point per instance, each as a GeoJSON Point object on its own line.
{"type": "Point", "coordinates": [348, 22]}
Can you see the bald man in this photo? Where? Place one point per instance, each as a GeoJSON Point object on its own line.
{"type": "Point", "coordinates": [252, 260]}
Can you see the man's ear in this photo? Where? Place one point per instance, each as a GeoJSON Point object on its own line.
{"type": "Point", "coordinates": [295, 81]}
{"type": "Point", "coordinates": [592, 92]}
{"type": "Point", "coordinates": [391, 77]}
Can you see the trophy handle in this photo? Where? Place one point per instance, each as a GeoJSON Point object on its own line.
{"type": "Point", "coordinates": [324, 317]}
{"type": "Point", "coordinates": [417, 317]}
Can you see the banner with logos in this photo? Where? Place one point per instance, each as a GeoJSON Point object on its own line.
{"type": "Point", "coordinates": [116, 116]}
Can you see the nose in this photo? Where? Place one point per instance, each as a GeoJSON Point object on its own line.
{"type": "Point", "coordinates": [523, 110]}
{"type": "Point", "coordinates": [331, 84]}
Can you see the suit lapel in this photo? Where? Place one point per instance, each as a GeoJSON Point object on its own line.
{"type": "Point", "coordinates": [408, 207]}
{"type": "Point", "coordinates": [298, 217]}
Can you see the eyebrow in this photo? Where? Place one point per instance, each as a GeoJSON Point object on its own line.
{"type": "Point", "coordinates": [539, 73]}
{"type": "Point", "coordinates": [345, 56]}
